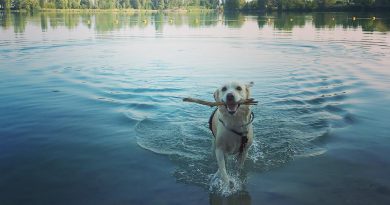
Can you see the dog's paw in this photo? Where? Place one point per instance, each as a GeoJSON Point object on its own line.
{"type": "Point", "coordinates": [214, 178]}
{"type": "Point", "coordinates": [223, 180]}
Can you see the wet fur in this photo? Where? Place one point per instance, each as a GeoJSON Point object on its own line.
{"type": "Point", "coordinates": [227, 142]}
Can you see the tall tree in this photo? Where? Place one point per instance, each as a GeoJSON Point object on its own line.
{"type": "Point", "coordinates": [61, 4]}
{"type": "Point", "coordinates": [135, 4]}
{"type": "Point", "coordinates": [234, 4]}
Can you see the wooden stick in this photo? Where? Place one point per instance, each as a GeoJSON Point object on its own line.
{"type": "Point", "coordinates": [250, 101]}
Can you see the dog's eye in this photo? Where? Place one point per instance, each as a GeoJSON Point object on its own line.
{"type": "Point", "coordinates": [224, 89]}
{"type": "Point", "coordinates": [239, 88]}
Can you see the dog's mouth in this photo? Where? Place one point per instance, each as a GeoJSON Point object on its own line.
{"type": "Point", "coordinates": [232, 107]}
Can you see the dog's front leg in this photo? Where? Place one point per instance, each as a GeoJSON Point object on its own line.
{"type": "Point", "coordinates": [221, 165]}
{"type": "Point", "coordinates": [241, 158]}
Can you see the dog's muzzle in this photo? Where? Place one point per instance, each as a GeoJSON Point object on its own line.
{"type": "Point", "coordinates": [230, 104]}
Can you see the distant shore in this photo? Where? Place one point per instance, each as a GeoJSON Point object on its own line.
{"type": "Point", "coordinates": [188, 10]}
{"type": "Point", "coordinates": [115, 10]}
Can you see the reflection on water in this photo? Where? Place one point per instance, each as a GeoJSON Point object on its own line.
{"type": "Point", "coordinates": [81, 94]}
{"type": "Point", "coordinates": [104, 22]}
{"type": "Point", "coordinates": [243, 199]}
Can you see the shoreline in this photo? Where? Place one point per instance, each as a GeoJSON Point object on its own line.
{"type": "Point", "coordinates": [249, 11]}
{"type": "Point", "coordinates": [113, 10]}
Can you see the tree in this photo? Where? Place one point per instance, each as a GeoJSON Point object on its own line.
{"type": "Point", "coordinates": [85, 4]}
{"type": "Point", "coordinates": [135, 4]}
{"type": "Point", "coordinates": [145, 4]}
{"type": "Point", "coordinates": [61, 4]}
{"type": "Point", "coordinates": [106, 4]}
{"type": "Point", "coordinates": [234, 4]}
{"type": "Point", "coordinates": [5, 4]}
{"type": "Point", "coordinates": [16, 4]}
{"type": "Point", "coordinates": [42, 3]}
{"type": "Point", "coordinates": [126, 4]}
{"type": "Point", "coordinates": [74, 4]}
{"type": "Point", "coordinates": [30, 4]}
{"type": "Point", "coordinates": [261, 4]}
{"type": "Point", "coordinates": [158, 4]}
{"type": "Point", "coordinates": [214, 3]}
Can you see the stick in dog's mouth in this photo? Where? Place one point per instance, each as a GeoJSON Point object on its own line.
{"type": "Point", "coordinates": [249, 101]}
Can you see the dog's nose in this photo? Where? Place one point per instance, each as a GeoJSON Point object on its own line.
{"type": "Point", "coordinates": [229, 97]}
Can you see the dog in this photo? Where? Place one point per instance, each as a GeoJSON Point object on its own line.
{"type": "Point", "coordinates": [231, 125]}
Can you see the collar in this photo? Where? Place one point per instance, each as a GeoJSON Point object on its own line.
{"type": "Point", "coordinates": [252, 117]}
{"type": "Point", "coordinates": [244, 134]}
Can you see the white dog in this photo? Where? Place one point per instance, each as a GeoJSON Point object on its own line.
{"type": "Point", "coordinates": [231, 125]}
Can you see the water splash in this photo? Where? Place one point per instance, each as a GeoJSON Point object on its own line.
{"type": "Point", "coordinates": [217, 186]}
{"type": "Point", "coordinates": [289, 123]}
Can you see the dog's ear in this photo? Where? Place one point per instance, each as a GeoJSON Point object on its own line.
{"type": "Point", "coordinates": [247, 89]}
{"type": "Point", "coordinates": [250, 84]}
{"type": "Point", "coordinates": [216, 96]}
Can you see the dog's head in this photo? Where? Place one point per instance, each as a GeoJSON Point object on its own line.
{"type": "Point", "coordinates": [231, 94]}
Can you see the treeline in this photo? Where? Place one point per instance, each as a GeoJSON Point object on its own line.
{"type": "Point", "coordinates": [228, 5]}
{"type": "Point", "coordinates": [311, 5]}
{"type": "Point", "coordinates": [108, 4]}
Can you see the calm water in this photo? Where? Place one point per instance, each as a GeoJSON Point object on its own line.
{"type": "Point", "coordinates": [91, 109]}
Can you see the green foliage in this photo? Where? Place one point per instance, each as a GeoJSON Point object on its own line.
{"type": "Point", "coordinates": [30, 4]}
{"type": "Point", "coordinates": [16, 4]}
{"type": "Point", "coordinates": [85, 4]}
{"type": "Point", "coordinates": [261, 4]}
{"type": "Point", "coordinates": [62, 4]}
{"type": "Point", "coordinates": [234, 4]}
{"type": "Point", "coordinates": [22, 4]}
{"type": "Point", "coordinates": [135, 4]}
{"type": "Point", "coordinates": [158, 4]}
{"type": "Point", "coordinates": [252, 5]}
{"type": "Point", "coordinates": [106, 4]}
{"type": "Point", "coordinates": [5, 4]}
{"type": "Point", "coordinates": [74, 4]}
{"type": "Point", "coordinates": [229, 5]}
{"type": "Point", "coordinates": [145, 4]}
{"type": "Point", "coordinates": [50, 5]}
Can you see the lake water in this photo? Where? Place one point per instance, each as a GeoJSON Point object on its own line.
{"type": "Point", "coordinates": [91, 110]}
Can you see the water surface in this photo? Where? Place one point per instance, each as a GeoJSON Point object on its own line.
{"type": "Point", "coordinates": [91, 109]}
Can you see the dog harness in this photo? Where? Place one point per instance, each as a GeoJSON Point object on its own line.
{"type": "Point", "coordinates": [243, 135]}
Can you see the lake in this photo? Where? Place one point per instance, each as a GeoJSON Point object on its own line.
{"type": "Point", "coordinates": [92, 113]}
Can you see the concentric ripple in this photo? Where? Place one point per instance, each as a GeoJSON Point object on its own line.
{"type": "Point", "coordinates": [294, 122]}
{"type": "Point", "coordinates": [285, 128]}
{"type": "Point", "coordinates": [306, 84]}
